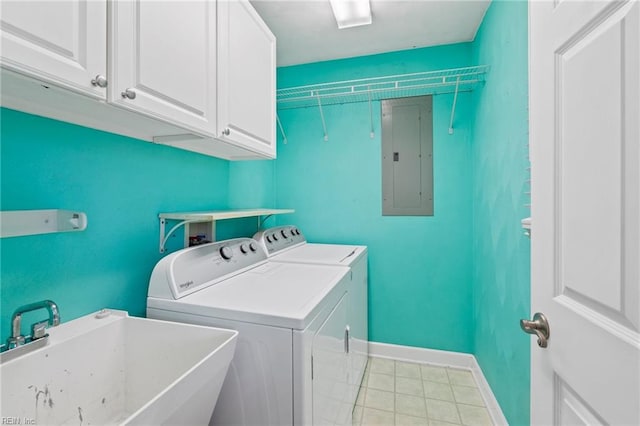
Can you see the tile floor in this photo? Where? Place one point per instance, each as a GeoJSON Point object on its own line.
{"type": "Point", "coordinates": [401, 393]}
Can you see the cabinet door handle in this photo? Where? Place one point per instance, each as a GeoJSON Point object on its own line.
{"type": "Point", "coordinates": [99, 81]}
{"type": "Point", "coordinates": [129, 94]}
{"type": "Point", "coordinates": [226, 132]}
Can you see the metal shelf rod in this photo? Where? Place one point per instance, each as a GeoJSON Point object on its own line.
{"type": "Point", "coordinates": [284, 137]}
{"type": "Point", "coordinates": [453, 108]}
{"type": "Point", "coordinates": [324, 125]}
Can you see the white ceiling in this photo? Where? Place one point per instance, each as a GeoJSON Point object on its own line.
{"type": "Point", "coordinates": [307, 32]}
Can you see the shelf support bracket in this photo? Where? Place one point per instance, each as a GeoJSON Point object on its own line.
{"type": "Point", "coordinates": [324, 125]}
{"type": "Point", "coordinates": [453, 108]}
{"type": "Point", "coordinates": [372, 134]}
{"type": "Point", "coordinates": [262, 220]}
{"type": "Point", "coordinates": [284, 137]}
{"type": "Point", "coordinates": [163, 237]}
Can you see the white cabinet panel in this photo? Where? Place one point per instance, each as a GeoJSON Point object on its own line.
{"type": "Point", "coordinates": [246, 78]}
{"type": "Point", "coordinates": [332, 402]}
{"type": "Point", "coordinates": [163, 55]}
{"type": "Point", "coordinates": [62, 42]}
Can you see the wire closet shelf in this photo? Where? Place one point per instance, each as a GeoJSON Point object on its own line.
{"type": "Point", "coordinates": [377, 88]}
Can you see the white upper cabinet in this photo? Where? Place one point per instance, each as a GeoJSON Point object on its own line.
{"type": "Point", "coordinates": [246, 78]}
{"type": "Point", "coordinates": [198, 75]}
{"type": "Point", "coordinates": [163, 61]}
{"type": "Point", "coordinates": [61, 42]}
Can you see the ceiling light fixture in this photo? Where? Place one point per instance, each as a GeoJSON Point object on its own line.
{"type": "Point", "coordinates": [351, 13]}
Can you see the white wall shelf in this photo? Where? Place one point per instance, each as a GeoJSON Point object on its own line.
{"type": "Point", "coordinates": [453, 80]}
{"type": "Point", "coordinates": [18, 223]}
{"type": "Point", "coordinates": [206, 221]}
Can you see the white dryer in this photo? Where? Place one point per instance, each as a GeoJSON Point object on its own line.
{"type": "Point", "coordinates": [287, 244]}
{"type": "Point", "coordinates": [291, 364]}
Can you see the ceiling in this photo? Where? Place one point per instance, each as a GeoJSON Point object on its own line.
{"type": "Point", "coordinates": [307, 32]}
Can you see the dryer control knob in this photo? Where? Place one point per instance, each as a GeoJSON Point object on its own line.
{"type": "Point", "coordinates": [284, 233]}
{"type": "Point", "coordinates": [268, 239]}
{"type": "Point", "coordinates": [275, 237]}
{"type": "Point", "coordinates": [252, 247]}
{"type": "Point", "coordinates": [226, 252]}
{"type": "Point", "coordinates": [243, 248]}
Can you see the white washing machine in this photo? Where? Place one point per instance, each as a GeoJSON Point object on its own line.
{"type": "Point", "coordinates": [291, 361]}
{"type": "Point", "coordinates": [287, 244]}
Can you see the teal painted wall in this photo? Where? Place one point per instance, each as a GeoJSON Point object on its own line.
{"type": "Point", "coordinates": [122, 184]}
{"type": "Point", "coordinates": [500, 250]}
{"type": "Point", "coordinates": [419, 267]}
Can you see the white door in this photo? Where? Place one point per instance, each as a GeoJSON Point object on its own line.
{"type": "Point", "coordinates": [246, 78]}
{"type": "Point", "coordinates": [584, 135]}
{"type": "Point", "coordinates": [332, 402]}
{"type": "Point", "coordinates": [162, 59]}
{"type": "Point", "coordinates": [60, 42]}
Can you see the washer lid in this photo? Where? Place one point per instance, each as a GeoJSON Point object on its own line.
{"type": "Point", "coordinates": [278, 294]}
{"type": "Point", "coordinates": [322, 254]}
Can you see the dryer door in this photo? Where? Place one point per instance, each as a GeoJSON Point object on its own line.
{"type": "Point", "coordinates": [331, 393]}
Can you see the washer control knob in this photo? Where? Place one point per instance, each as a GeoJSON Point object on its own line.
{"type": "Point", "coordinates": [275, 237]}
{"type": "Point", "coordinates": [268, 239]}
{"type": "Point", "coordinates": [252, 247]}
{"type": "Point", "coordinates": [284, 233]}
{"type": "Point", "coordinates": [226, 252]}
{"type": "Point", "coordinates": [243, 248]}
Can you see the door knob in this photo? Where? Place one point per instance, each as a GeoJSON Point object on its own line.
{"type": "Point", "coordinates": [538, 326]}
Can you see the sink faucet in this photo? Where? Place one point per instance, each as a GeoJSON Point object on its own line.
{"type": "Point", "coordinates": [38, 329]}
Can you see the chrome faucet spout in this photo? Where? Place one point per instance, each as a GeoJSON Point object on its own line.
{"type": "Point", "coordinates": [17, 338]}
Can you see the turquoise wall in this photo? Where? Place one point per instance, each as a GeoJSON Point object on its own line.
{"type": "Point", "coordinates": [501, 270]}
{"type": "Point", "coordinates": [121, 184]}
{"type": "Point", "coordinates": [419, 267]}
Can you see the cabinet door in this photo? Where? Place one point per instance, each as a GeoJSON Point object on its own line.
{"type": "Point", "coordinates": [246, 78]}
{"type": "Point", "coordinates": [332, 402]}
{"type": "Point", "coordinates": [162, 59]}
{"type": "Point", "coordinates": [60, 42]}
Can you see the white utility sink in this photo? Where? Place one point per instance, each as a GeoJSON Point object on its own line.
{"type": "Point", "coordinates": [109, 368]}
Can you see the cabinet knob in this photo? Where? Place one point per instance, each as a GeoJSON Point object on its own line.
{"type": "Point", "coordinates": [226, 132]}
{"type": "Point", "coordinates": [129, 94]}
{"type": "Point", "coordinates": [99, 81]}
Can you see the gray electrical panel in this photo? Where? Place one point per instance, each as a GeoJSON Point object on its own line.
{"type": "Point", "coordinates": [407, 156]}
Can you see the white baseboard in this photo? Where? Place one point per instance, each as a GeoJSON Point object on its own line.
{"type": "Point", "coordinates": [445, 359]}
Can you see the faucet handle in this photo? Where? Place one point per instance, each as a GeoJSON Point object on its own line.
{"type": "Point", "coordinates": [39, 330]}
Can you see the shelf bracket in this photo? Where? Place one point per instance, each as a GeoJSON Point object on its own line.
{"type": "Point", "coordinates": [262, 220]}
{"type": "Point", "coordinates": [372, 134]}
{"type": "Point", "coordinates": [164, 238]}
{"type": "Point", "coordinates": [324, 125]}
{"type": "Point", "coordinates": [453, 108]}
{"type": "Point", "coordinates": [284, 137]}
